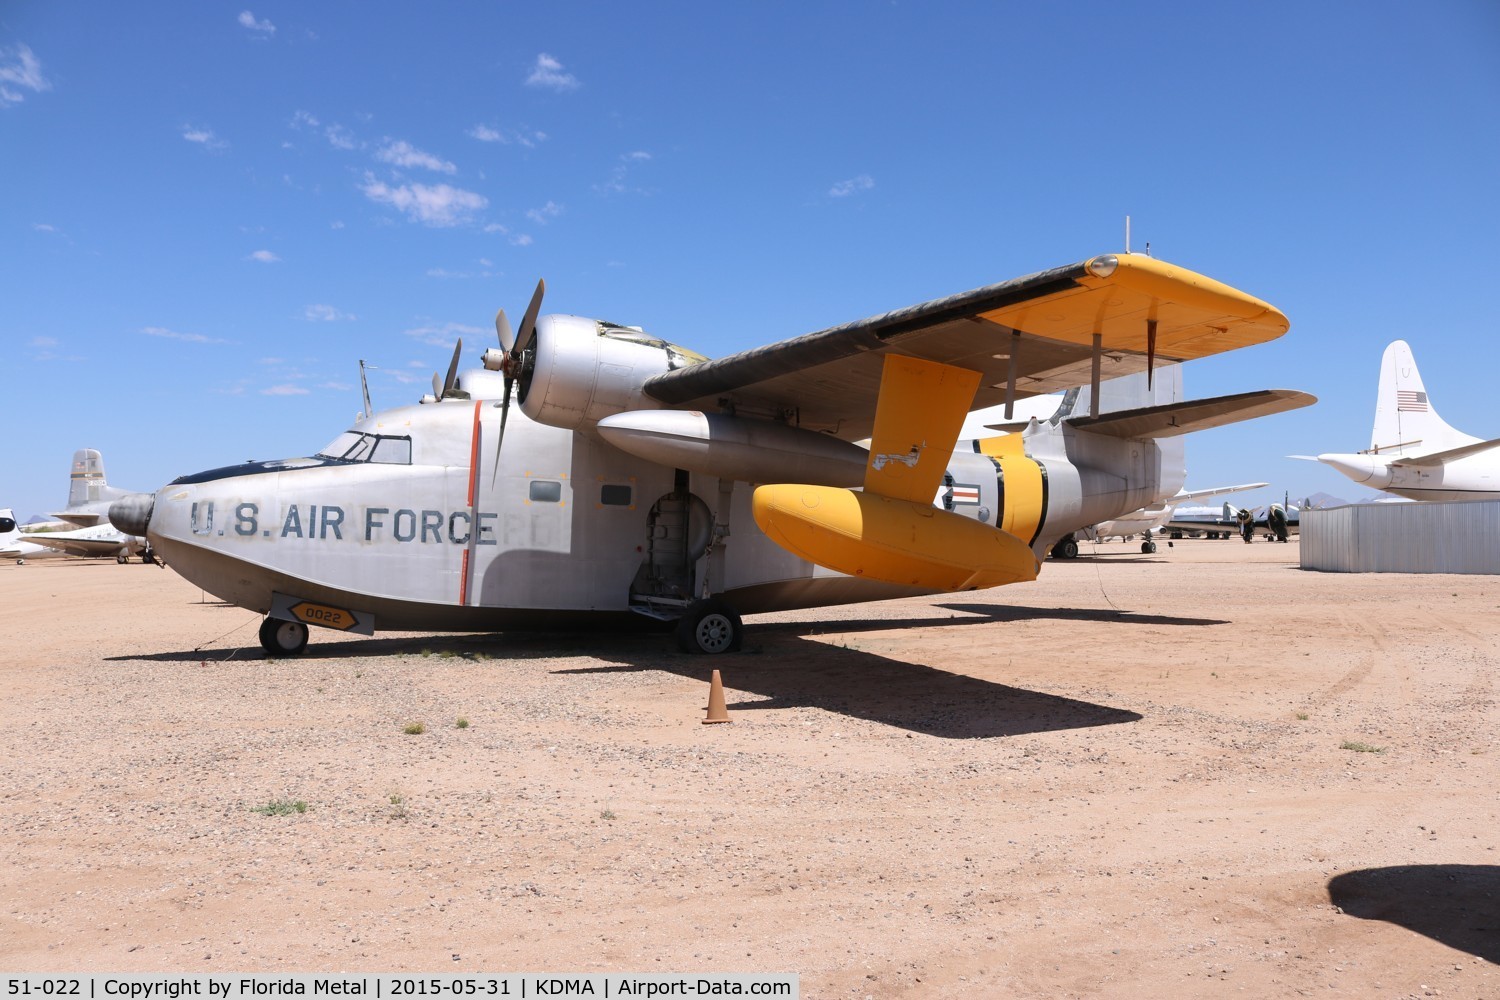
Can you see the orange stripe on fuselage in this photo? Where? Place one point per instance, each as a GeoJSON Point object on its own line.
{"type": "Point", "coordinates": [463, 576]}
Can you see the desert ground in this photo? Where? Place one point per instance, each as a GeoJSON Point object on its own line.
{"type": "Point", "coordinates": [1205, 772]}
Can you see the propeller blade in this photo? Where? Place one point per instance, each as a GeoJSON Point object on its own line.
{"type": "Point", "coordinates": [437, 386]}
{"type": "Point", "coordinates": [504, 332]}
{"type": "Point", "coordinates": [500, 438]}
{"type": "Point", "coordinates": [452, 378]}
{"type": "Point", "coordinates": [528, 322]}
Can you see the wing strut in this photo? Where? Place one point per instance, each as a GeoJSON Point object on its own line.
{"type": "Point", "coordinates": [1150, 352]}
{"type": "Point", "coordinates": [1094, 375]}
{"type": "Point", "coordinates": [1010, 378]}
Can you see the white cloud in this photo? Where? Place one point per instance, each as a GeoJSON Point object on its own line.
{"type": "Point", "coordinates": [404, 154]}
{"type": "Point", "coordinates": [548, 212]}
{"type": "Point", "coordinates": [340, 138]}
{"type": "Point", "coordinates": [521, 240]}
{"type": "Point", "coordinates": [284, 390]}
{"type": "Point", "coordinates": [529, 138]}
{"type": "Point", "coordinates": [43, 227]}
{"type": "Point", "coordinates": [43, 349]}
{"type": "Point", "coordinates": [304, 119]}
{"type": "Point", "coordinates": [272, 361]}
{"type": "Point", "coordinates": [444, 335]}
{"type": "Point", "coordinates": [204, 137]}
{"type": "Point", "coordinates": [20, 68]}
{"type": "Point", "coordinates": [548, 72]}
{"type": "Point", "coordinates": [265, 27]}
{"type": "Point", "coordinates": [324, 314]}
{"type": "Point", "coordinates": [616, 182]}
{"type": "Point", "coordinates": [264, 256]}
{"type": "Point", "coordinates": [853, 185]}
{"type": "Point", "coordinates": [191, 338]}
{"type": "Point", "coordinates": [439, 205]}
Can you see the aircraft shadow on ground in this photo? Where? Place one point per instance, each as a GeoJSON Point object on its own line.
{"type": "Point", "coordinates": [840, 679]}
{"type": "Point", "coordinates": [785, 669]}
{"type": "Point", "coordinates": [1456, 905]}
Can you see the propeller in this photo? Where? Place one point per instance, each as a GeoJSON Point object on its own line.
{"type": "Point", "coordinates": [515, 357]}
{"type": "Point", "coordinates": [448, 388]}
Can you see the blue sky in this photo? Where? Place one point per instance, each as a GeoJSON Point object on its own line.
{"type": "Point", "coordinates": [212, 212]}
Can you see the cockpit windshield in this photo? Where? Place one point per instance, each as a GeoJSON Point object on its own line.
{"type": "Point", "coordinates": [353, 446]}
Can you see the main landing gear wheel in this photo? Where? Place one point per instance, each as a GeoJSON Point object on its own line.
{"type": "Point", "coordinates": [709, 627]}
{"type": "Point", "coordinates": [1148, 547]}
{"type": "Point", "coordinates": [282, 638]}
{"type": "Point", "coordinates": [1066, 549]}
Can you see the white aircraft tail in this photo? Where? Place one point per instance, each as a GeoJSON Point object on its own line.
{"type": "Point", "coordinates": [1405, 421]}
{"type": "Point", "coordinates": [86, 483]}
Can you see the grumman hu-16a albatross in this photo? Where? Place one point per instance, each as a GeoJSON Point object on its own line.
{"type": "Point", "coordinates": [641, 479]}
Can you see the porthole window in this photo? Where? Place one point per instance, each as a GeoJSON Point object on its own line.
{"type": "Point", "coordinates": [612, 495]}
{"type": "Point", "coordinates": [546, 491]}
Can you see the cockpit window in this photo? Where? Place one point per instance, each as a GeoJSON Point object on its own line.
{"type": "Point", "coordinates": [352, 446]}
{"type": "Point", "coordinates": [7, 525]}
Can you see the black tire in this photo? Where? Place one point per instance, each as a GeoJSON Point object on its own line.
{"type": "Point", "coordinates": [282, 638]}
{"type": "Point", "coordinates": [1148, 547]}
{"type": "Point", "coordinates": [709, 626]}
{"type": "Point", "coordinates": [1070, 548]}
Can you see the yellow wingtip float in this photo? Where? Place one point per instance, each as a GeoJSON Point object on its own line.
{"type": "Point", "coordinates": [884, 538]}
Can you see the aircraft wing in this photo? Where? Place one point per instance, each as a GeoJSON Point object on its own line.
{"type": "Point", "coordinates": [1036, 334]}
{"type": "Point", "coordinates": [1172, 419]}
{"type": "Point", "coordinates": [75, 546]}
{"type": "Point", "coordinates": [1215, 491]}
{"type": "Point", "coordinates": [84, 519]}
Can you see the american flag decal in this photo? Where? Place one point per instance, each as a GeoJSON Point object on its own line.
{"type": "Point", "coordinates": [1410, 401]}
{"type": "Point", "coordinates": [963, 493]}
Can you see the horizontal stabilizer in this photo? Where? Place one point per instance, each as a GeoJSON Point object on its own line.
{"type": "Point", "coordinates": [84, 519]}
{"type": "Point", "coordinates": [1014, 427]}
{"type": "Point", "coordinates": [1215, 491]}
{"type": "Point", "coordinates": [1451, 455]}
{"type": "Point", "coordinates": [1172, 419]}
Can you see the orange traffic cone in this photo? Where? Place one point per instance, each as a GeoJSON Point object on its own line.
{"type": "Point", "coordinates": [716, 710]}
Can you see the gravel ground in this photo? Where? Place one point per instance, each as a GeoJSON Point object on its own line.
{"type": "Point", "coordinates": [1203, 772]}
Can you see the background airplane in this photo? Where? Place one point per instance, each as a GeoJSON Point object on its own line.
{"type": "Point", "coordinates": [98, 542]}
{"type": "Point", "coordinates": [1413, 452]}
{"type": "Point", "coordinates": [1147, 521]}
{"type": "Point", "coordinates": [14, 543]}
{"type": "Point", "coordinates": [89, 493]}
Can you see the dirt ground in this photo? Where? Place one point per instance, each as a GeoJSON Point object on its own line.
{"type": "Point", "coordinates": [1203, 772]}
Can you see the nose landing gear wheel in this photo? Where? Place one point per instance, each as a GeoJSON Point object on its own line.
{"type": "Point", "coordinates": [282, 638]}
{"type": "Point", "coordinates": [709, 627]}
{"type": "Point", "coordinates": [1148, 547]}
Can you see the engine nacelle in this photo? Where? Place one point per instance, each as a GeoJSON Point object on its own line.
{"type": "Point", "coordinates": [582, 370]}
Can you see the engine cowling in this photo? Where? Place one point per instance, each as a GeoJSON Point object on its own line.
{"type": "Point", "coordinates": [579, 370]}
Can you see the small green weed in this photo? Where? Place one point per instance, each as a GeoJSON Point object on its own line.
{"type": "Point", "coordinates": [461, 723]}
{"type": "Point", "coordinates": [1302, 716]}
{"type": "Point", "coordinates": [281, 807]}
{"type": "Point", "coordinates": [1359, 747]}
{"type": "Point", "coordinates": [607, 814]}
{"type": "Point", "coordinates": [398, 805]}
{"type": "Point", "coordinates": [415, 729]}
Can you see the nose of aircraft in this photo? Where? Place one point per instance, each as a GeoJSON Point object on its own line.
{"type": "Point", "coordinates": [132, 513]}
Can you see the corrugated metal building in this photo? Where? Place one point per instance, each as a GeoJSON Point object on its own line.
{"type": "Point", "coordinates": [1461, 536]}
